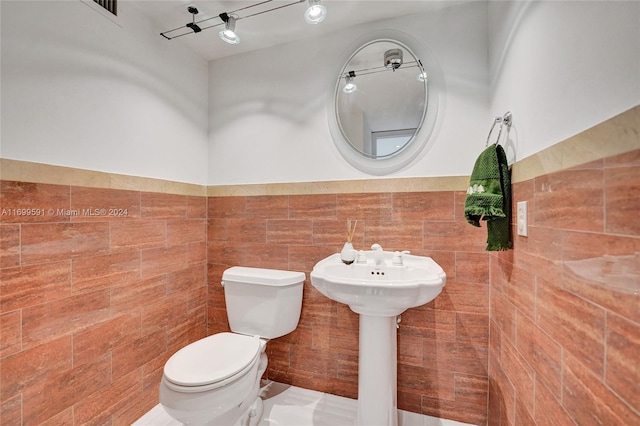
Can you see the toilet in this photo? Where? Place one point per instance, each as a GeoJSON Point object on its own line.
{"type": "Point", "coordinates": [216, 380]}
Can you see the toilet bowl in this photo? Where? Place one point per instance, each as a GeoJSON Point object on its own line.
{"type": "Point", "coordinates": [216, 380]}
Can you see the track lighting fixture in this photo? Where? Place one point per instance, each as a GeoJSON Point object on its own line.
{"type": "Point", "coordinates": [350, 85]}
{"type": "Point", "coordinates": [314, 15]}
{"type": "Point", "coordinates": [228, 34]}
{"type": "Point", "coordinates": [422, 77]}
{"type": "Point", "coordinates": [194, 27]}
{"type": "Point", "coordinates": [315, 12]}
{"type": "Point", "coordinates": [393, 59]}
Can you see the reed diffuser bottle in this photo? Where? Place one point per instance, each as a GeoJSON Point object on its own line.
{"type": "Point", "coordinates": [348, 254]}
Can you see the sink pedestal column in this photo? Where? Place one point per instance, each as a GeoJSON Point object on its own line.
{"type": "Point", "coordinates": [377, 372]}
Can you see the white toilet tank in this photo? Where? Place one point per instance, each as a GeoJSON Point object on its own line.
{"type": "Point", "coordinates": [263, 302]}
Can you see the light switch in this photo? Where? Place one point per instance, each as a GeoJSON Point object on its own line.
{"type": "Point", "coordinates": [522, 219]}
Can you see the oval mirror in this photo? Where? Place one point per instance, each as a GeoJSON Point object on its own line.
{"type": "Point", "coordinates": [380, 102]}
{"type": "Point", "coordinates": [383, 108]}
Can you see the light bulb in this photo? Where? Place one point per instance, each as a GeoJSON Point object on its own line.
{"type": "Point", "coordinates": [315, 12]}
{"type": "Point", "coordinates": [350, 86]}
{"type": "Point", "coordinates": [228, 34]}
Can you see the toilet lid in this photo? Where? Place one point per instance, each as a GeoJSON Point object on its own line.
{"type": "Point", "coordinates": [211, 359]}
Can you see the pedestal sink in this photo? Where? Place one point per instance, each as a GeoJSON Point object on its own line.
{"type": "Point", "coordinates": [379, 286]}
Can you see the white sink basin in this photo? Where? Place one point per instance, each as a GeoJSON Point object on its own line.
{"type": "Point", "coordinates": [383, 290]}
{"type": "Point", "coordinates": [379, 286]}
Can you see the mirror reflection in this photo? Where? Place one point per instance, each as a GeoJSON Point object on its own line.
{"type": "Point", "coordinates": [381, 98]}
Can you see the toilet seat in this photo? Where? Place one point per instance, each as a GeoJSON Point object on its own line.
{"type": "Point", "coordinates": [211, 362]}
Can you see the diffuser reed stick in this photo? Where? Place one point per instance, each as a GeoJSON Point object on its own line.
{"type": "Point", "coordinates": [351, 231]}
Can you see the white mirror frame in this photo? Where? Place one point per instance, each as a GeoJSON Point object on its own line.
{"type": "Point", "coordinates": [423, 138]}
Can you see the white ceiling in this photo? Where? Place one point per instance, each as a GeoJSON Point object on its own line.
{"type": "Point", "coordinates": [273, 28]}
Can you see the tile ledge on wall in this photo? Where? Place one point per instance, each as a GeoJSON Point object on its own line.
{"type": "Point", "coordinates": [25, 171]}
{"type": "Point", "coordinates": [615, 136]}
{"type": "Point", "coordinates": [424, 184]}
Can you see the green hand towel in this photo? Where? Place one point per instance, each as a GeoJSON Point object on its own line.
{"type": "Point", "coordinates": [489, 197]}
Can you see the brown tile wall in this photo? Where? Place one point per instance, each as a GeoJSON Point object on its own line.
{"type": "Point", "coordinates": [565, 303]}
{"type": "Point", "coordinates": [442, 347]}
{"type": "Point", "coordinates": [547, 333]}
{"type": "Point", "coordinates": [92, 306]}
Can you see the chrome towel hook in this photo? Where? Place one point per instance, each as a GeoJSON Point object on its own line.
{"type": "Point", "coordinates": [505, 120]}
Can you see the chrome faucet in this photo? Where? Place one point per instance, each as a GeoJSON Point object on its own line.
{"type": "Point", "coordinates": [378, 255]}
{"type": "Point", "coordinates": [397, 257]}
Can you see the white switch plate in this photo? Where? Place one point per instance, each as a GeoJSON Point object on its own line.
{"type": "Point", "coordinates": [523, 225]}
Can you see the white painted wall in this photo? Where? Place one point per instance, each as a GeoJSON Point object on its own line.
{"type": "Point", "coordinates": [559, 66]}
{"type": "Point", "coordinates": [80, 91]}
{"type": "Point", "coordinates": [268, 109]}
{"type": "Point", "coordinates": [562, 67]}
